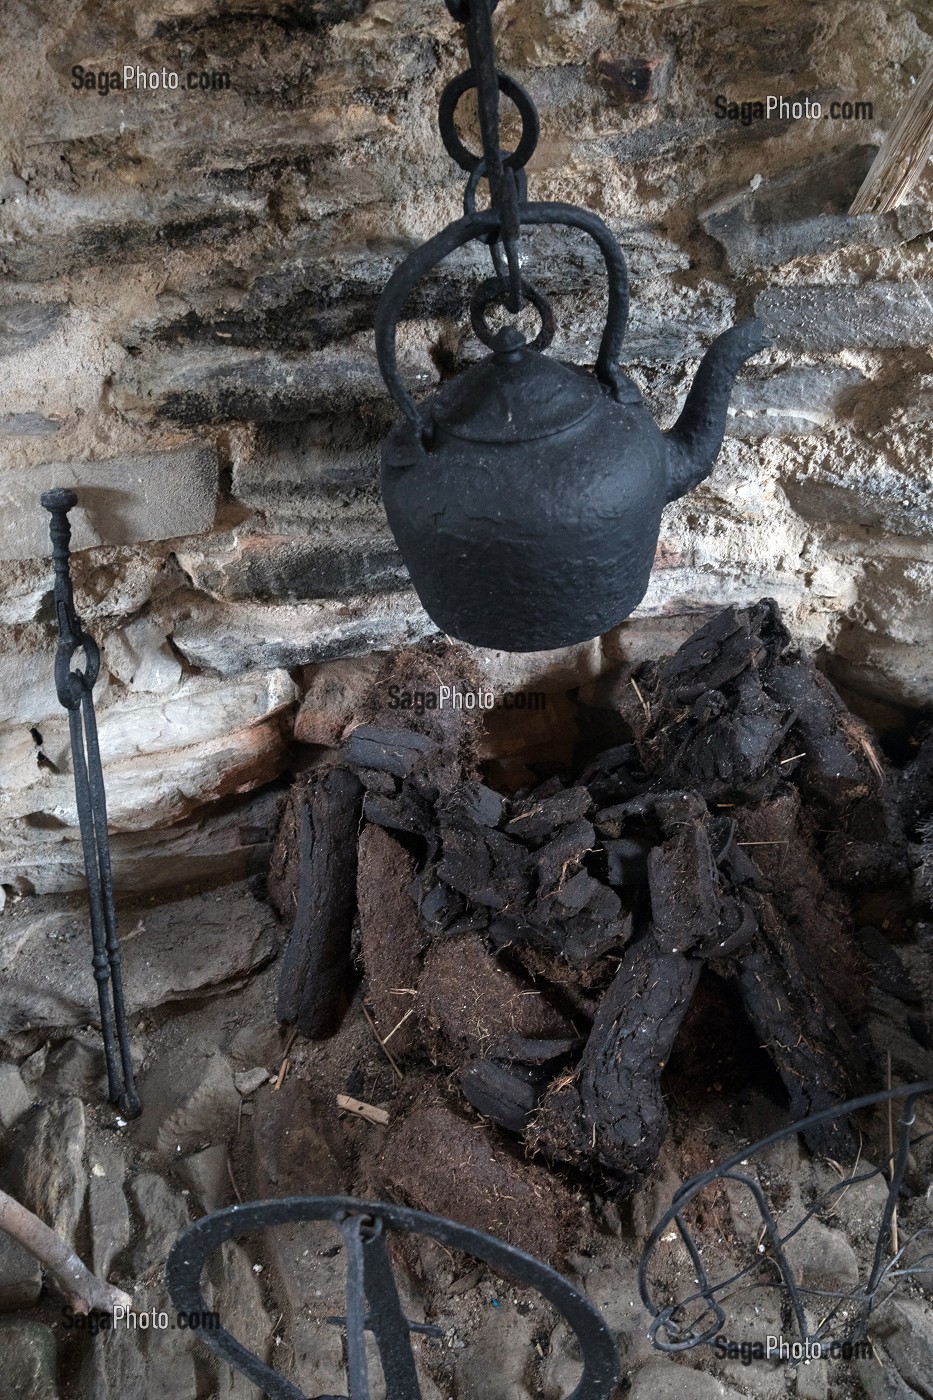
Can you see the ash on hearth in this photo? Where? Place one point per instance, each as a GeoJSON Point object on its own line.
{"type": "Point", "coordinates": [530, 958]}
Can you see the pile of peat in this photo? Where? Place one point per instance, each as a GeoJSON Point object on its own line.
{"type": "Point", "coordinates": [530, 958]}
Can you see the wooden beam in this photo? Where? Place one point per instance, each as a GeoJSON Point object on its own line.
{"type": "Point", "coordinates": [903, 155]}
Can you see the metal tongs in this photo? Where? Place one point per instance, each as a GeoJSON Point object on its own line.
{"type": "Point", "coordinates": [75, 691]}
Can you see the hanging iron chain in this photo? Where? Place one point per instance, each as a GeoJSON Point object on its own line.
{"type": "Point", "coordinates": [503, 170]}
{"type": "Point", "coordinates": [498, 227]}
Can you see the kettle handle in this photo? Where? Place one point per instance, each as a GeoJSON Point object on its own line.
{"type": "Point", "coordinates": [481, 225]}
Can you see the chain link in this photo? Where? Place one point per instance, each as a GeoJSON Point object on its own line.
{"type": "Point", "coordinates": [503, 170]}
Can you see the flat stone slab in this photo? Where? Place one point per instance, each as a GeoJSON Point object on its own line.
{"type": "Point", "coordinates": [205, 1173]}
{"type": "Point", "coordinates": [822, 1258]}
{"type": "Point", "coordinates": [877, 316]}
{"type": "Point", "coordinates": [189, 948]}
{"type": "Point", "coordinates": [805, 211]}
{"type": "Point", "coordinates": [164, 756]}
{"type": "Point", "coordinates": [294, 463]}
{"type": "Point", "coordinates": [121, 500]}
{"type": "Point", "coordinates": [215, 385]}
{"type": "Point", "coordinates": [230, 845]}
{"type": "Point", "coordinates": [61, 232]}
{"type": "Point", "coordinates": [666, 1380]}
{"type": "Point", "coordinates": [28, 425]}
{"type": "Point", "coordinates": [108, 1213]}
{"type": "Point", "coordinates": [268, 568]}
{"type": "Point", "coordinates": [29, 1360]}
{"type": "Point", "coordinates": [153, 1362]}
{"type": "Point", "coordinates": [238, 1295]}
{"type": "Point", "coordinates": [230, 638]}
{"type": "Point", "coordinates": [905, 1328]}
{"type": "Point", "coordinates": [15, 1098]}
{"type": "Point", "coordinates": [494, 1362]}
{"type": "Point", "coordinates": [805, 399]}
{"type": "Point", "coordinates": [163, 1215]}
{"type": "Point", "coordinates": [894, 496]}
{"type": "Point", "coordinates": [26, 323]}
{"type": "Point", "coordinates": [204, 1111]}
{"type": "Point", "coordinates": [880, 1381]}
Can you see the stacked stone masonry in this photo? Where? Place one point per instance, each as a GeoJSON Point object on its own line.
{"type": "Point", "coordinates": [190, 279]}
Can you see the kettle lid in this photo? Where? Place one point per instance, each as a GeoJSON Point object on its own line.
{"type": "Point", "coordinates": [514, 395]}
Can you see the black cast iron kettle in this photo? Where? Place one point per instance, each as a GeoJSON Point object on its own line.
{"type": "Point", "coordinates": [526, 494]}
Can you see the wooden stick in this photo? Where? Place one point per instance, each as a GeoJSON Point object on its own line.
{"type": "Point", "coordinates": [84, 1291]}
{"type": "Point", "coordinates": [236, 1189]}
{"type": "Point", "coordinates": [385, 1049]}
{"type": "Point", "coordinates": [644, 703]}
{"type": "Point", "coordinates": [409, 1012]}
{"type": "Point", "coordinates": [283, 1067]}
{"type": "Point", "coordinates": [903, 154]}
{"type": "Point", "coordinates": [363, 1110]}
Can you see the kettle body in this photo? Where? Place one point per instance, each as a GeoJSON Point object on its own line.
{"type": "Point", "coordinates": [531, 542]}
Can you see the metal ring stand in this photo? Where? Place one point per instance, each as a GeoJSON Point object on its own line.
{"type": "Point", "coordinates": [372, 1297]}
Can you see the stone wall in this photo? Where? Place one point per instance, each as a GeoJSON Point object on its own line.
{"type": "Point", "coordinates": [185, 333]}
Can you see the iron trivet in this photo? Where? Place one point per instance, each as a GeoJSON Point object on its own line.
{"type": "Point", "coordinates": [372, 1297]}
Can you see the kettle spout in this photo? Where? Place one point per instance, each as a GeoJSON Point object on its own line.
{"type": "Point", "coordinates": [695, 439]}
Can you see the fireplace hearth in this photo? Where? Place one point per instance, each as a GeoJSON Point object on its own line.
{"type": "Point", "coordinates": [529, 957]}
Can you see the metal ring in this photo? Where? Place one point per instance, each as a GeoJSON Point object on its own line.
{"type": "Point", "coordinates": [446, 113]}
{"type": "Point", "coordinates": [863, 1298]}
{"type": "Point", "coordinates": [490, 291]}
{"type": "Point", "coordinates": [479, 173]}
{"type": "Point", "coordinates": [72, 685]}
